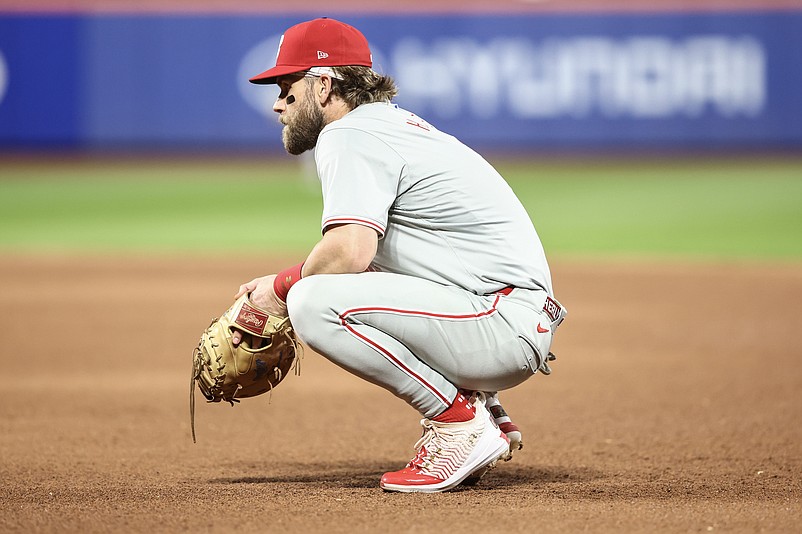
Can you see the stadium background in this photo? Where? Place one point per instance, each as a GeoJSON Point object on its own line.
{"type": "Point", "coordinates": [657, 148]}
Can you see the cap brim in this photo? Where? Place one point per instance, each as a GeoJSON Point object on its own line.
{"type": "Point", "coordinates": [270, 75]}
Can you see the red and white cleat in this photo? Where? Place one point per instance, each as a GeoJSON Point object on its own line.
{"type": "Point", "coordinates": [509, 428]}
{"type": "Point", "coordinates": [448, 453]}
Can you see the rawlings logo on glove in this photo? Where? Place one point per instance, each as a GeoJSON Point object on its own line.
{"type": "Point", "coordinates": [256, 365]}
{"type": "Point", "coordinates": [251, 320]}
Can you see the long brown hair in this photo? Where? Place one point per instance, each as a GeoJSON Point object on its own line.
{"type": "Point", "coordinates": [362, 85]}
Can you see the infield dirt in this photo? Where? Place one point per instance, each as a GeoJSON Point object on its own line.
{"type": "Point", "coordinates": [674, 406]}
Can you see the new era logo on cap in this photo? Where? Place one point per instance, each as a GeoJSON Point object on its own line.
{"type": "Point", "coordinates": [318, 43]}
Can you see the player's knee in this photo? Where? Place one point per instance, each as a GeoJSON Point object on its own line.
{"type": "Point", "coordinates": [308, 310]}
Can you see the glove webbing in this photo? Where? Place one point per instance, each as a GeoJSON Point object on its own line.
{"type": "Point", "coordinates": [296, 367]}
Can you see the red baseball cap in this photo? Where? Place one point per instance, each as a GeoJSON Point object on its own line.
{"type": "Point", "coordinates": [321, 42]}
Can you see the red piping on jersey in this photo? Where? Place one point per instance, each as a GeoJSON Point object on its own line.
{"type": "Point", "coordinates": [351, 220]}
{"type": "Point", "coordinates": [398, 363]}
{"type": "Point", "coordinates": [369, 309]}
{"type": "Point", "coordinates": [389, 355]}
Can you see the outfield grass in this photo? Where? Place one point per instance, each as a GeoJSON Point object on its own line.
{"type": "Point", "coordinates": [747, 209]}
{"type": "Point", "coordinates": [740, 209]}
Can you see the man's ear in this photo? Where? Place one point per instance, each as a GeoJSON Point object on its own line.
{"type": "Point", "coordinates": [323, 91]}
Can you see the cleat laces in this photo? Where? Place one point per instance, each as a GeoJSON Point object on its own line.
{"type": "Point", "coordinates": [442, 450]}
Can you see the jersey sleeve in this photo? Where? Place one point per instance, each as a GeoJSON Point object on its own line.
{"type": "Point", "coordinates": [359, 175]}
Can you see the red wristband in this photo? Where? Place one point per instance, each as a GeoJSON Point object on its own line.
{"type": "Point", "coordinates": [285, 280]}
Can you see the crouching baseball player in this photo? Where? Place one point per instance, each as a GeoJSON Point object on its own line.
{"type": "Point", "coordinates": [429, 279]}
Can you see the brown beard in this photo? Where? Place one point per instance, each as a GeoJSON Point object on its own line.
{"type": "Point", "coordinates": [301, 132]}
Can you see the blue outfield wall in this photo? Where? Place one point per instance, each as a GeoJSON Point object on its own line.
{"type": "Point", "coordinates": [547, 81]}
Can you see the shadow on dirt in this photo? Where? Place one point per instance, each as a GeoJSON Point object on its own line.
{"type": "Point", "coordinates": [362, 475]}
{"type": "Point", "coordinates": [508, 476]}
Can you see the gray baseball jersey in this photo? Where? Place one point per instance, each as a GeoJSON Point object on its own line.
{"type": "Point", "coordinates": [444, 212]}
{"type": "Point", "coordinates": [457, 294]}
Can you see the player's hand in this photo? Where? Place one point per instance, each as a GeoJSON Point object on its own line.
{"type": "Point", "coordinates": [262, 294]}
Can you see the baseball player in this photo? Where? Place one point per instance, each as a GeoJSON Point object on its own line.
{"type": "Point", "coordinates": [429, 279]}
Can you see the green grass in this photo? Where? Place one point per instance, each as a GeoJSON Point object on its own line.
{"type": "Point", "coordinates": [747, 209]}
{"type": "Point", "coordinates": [739, 209]}
{"type": "Point", "coordinates": [253, 207]}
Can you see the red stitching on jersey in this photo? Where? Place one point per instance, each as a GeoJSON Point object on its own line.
{"type": "Point", "coordinates": [390, 356]}
{"type": "Point", "coordinates": [418, 124]}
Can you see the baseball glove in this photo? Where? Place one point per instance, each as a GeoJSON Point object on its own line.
{"type": "Point", "coordinates": [259, 363]}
